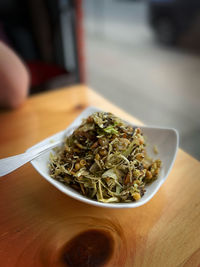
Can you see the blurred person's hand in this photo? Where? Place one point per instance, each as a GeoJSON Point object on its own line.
{"type": "Point", "coordinates": [14, 78]}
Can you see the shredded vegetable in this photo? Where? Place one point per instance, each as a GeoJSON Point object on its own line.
{"type": "Point", "coordinates": [105, 159]}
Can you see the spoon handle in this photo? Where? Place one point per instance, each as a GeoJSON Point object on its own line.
{"type": "Point", "coordinates": [10, 164]}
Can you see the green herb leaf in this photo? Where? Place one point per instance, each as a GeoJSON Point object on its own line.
{"type": "Point", "coordinates": [111, 130]}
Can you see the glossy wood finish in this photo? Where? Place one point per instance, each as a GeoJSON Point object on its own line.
{"type": "Point", "coordinates": [39, 225]}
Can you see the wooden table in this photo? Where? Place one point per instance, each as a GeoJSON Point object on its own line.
{"type": "Point", "coordinates": [37, 222]}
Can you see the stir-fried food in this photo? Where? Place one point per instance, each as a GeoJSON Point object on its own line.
{"type": "Point", "coordinates": [105, 159]}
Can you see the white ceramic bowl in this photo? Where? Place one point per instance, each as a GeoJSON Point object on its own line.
{"type": "Point", "coordinates": [165, 139]}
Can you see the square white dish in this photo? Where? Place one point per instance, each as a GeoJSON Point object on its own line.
{"type": "Point", "coordinates": [165, 139]}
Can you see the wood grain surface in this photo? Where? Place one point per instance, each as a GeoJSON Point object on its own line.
{"type": "Point", "coordinates": [40, 226]}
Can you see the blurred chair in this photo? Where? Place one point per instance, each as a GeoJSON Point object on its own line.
{"type": "Point", "coordinates": [48, 35]}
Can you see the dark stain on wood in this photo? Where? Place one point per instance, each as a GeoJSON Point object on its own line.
{"type": "Point", "coordinates": [91, 248]}
{"type": "Point", "coordinates": [80, 107]}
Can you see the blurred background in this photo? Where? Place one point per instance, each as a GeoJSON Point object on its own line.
{"type": "Point", "coordinates": [141, 55]}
